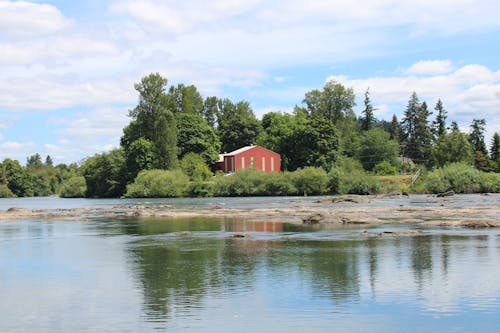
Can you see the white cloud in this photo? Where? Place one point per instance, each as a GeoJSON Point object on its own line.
{"type": "Point", "coordinates": [16, 150]}
{"type": "Point", "coordinates": [430, 67]}
{"type": "Point", "coordinates": [26, 19]}
{"type": "Point", "coordinates": [53, 50]}
{"type": "Point", "coordinates": [96, 125]}
{"type": "Point", "coordinates": [471, 91]}
{"type": "Point", "coordinates": [54, 92]}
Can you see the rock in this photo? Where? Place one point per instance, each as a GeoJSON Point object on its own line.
{"type": "Point", "coordinates": [313, 219]}
{"type": "Point", "coordinates": [17, 210]}
{"type": "Point", "coordinates": [445, 194]}
{"type": "Point", "coordinates": [392, 233]}
{"type": "Point", "coordinates": [184, 233]}
{"type": "Point", "coordinates": [240, 235]}
{"type": "Point", "coordinates": [478, 224]}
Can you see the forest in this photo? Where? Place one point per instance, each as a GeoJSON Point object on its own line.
{"type": "Point", "coordinates": [175, 135]}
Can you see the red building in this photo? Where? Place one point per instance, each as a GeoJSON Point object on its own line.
{"type": "Point", "coordinates": [249, 157]}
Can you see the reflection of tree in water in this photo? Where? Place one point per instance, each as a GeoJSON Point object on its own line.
{"type": "Point", "coordinates": [176, 273]}
{"type": "Point", "coordinates": [172, 274]}
{"type": "Point", "coordinates": [332, 267]}
{"type": "Point", "coordinates": [335, 268]}
{"type": "Point", "coordinates": [421, 258]}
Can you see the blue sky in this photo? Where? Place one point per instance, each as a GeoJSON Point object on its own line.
{"type": "Point", "coordinates": [68, 67]}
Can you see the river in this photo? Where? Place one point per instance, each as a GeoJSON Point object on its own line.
{"type": "Point", "coordinates": [130, 275]}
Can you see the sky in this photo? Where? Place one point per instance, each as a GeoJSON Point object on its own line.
{"type": "Point", "coordinates": [67, 68]}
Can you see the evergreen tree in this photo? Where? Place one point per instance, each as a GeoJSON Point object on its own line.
{"type": "Point", "coordinates": [416, 134]}
{"type": "Point", "coordinates": [476, 139]}
{"type": "Point", "coordinates": [495, 151]}
{"type": "Point", "coordinates": [395, 129]}
{"type": "Point", "coordinates": [48, 161]}
{"type": "Point", "coordinates": [439, 125]}
{"type": "Point", "coordinates": [454, 127]}
{"type": "Point", "coordinates": [368, 119]}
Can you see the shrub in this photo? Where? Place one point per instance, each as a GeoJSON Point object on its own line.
{"type": "Point", "coordinates": [195, 168]}
{"type": "Point", "coordinates": [310, 181]}
{"type": "Point", "coordinates": [347, 176]}
{"type": "Point", "coordinates": [199, 189]}
{"type": "Point", "coordinates": [457, 177]}
{"type": "Point", "coordinates": [385, 169]}
{"type": "Point", "coordinates": [490, 182]}
{"type": "Point", "coordinates": [245, 182]}
{"type": "Point", "coordinates": [74, 187]}
{"type": "Point", "coordinates": [279, 184]}
{"type": "Point", "coordinates": [5, 192]}
{"type": "Point", "coordinates": [158, 184]}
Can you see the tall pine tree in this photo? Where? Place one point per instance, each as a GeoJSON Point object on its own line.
{"type": "Point", "coordinates": [368, 119]}
{"type": "Point", "coordinates": [416, 133]}
{"type": "Point", "coordinates": [439, 125]}
{"type": "Point", "coordinates": [495, 151]}
{"type": "Point", "coordinates": [476, 139]}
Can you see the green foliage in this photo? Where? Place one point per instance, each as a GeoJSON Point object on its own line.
{"type": "Point", "coordinates": [196, 136]}
{"type": "Point", "coordinates": [158, 184]}
{"type": "Point", "coordinates": [238, 126]}
{"type": "Point", "coordinates": [452, 148]}
{"type": "Point", "coordinates": [416, 133]}
{"type": "Point", "coordinates": [105, 174]}
{"type": "Point", "coordinates": [17, 178]}
{"type": "Point", "coordinates": [385, 169]}
{"type": "Point", "coordinates": [310, 181]}
{"type": "Point", "coordinates": [199, 189]}
{"type": "Point", "coordinates": [74, 187]}
{"type": "Point", "coordinates": [310, 141]}
{"type": "Point", "coordinates": [5, 192]}
{"type": "Point", "coordinates": [250, 182]}
{"type": "Point", "coordinates": [461, 178]}
{"type": "Point", "coordinates": [490, 182]}
{"type": "Point", "coordinates": [140, 156]}
{"type": "Point", "coordinates": [376, 147]}
{"type": "Point", "coordinates": [247, 182]}
{"type": "Point", "coordinates": [395, 129]}
{"type": "Point", "coordinates": [347, 176]}
{"type": "Point", "coordinates": [278, 184]}
{"type": "Point", "coordinates": [153, 122]}
{"type": "Point", "coordinates": [194, 166]}
{"type": "Point", "coordinates": [495, 152]}
{"type": "Point", "coordinates": [184, 99]}
{"type": "Point", "coordinates": [368, 120]}
{"type": "Point", "coordinates": [439, 125]}
{"type": "Point", "coordinates": [334, 102]}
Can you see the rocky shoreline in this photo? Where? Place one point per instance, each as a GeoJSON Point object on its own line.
{"type": "Point", "coordinates": [329, 211]}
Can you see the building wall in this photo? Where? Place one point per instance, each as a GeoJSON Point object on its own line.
{"type": "Point", "coordinates": [259, 158]}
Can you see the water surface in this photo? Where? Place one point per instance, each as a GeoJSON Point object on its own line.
{"type": "Point", "coordinates": [149, 276]}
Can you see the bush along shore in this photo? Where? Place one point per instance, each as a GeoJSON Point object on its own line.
{"type": "Point", "coordinates": [457, 178]}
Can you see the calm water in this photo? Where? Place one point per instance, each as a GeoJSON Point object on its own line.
{"type": "Point", "coordinates": [145, 276]}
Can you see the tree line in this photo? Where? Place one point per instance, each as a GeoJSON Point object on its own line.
{"type": "Point", "coordinates": [175, 128]}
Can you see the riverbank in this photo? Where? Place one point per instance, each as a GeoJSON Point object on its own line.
{"type": "Point", "coordinates": [333, 211]}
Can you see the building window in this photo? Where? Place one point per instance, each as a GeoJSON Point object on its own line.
{"type": "Point", "coordinates": [263, 164]}
{"type": "Point", "coordinates": [272, 164]}
{"type": "Point", "coordinates": [243, 163]}
{"type": "Point", "coordinates": [252, 163]}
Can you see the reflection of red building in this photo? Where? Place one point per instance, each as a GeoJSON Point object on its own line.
{"type": "Point", "coordinates": [249, 157]}
{"type": "Point", "coordinates": [255, 226]}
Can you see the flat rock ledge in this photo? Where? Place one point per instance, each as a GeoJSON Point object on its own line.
{"type": "Point", "coordinates": [327, 215]}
